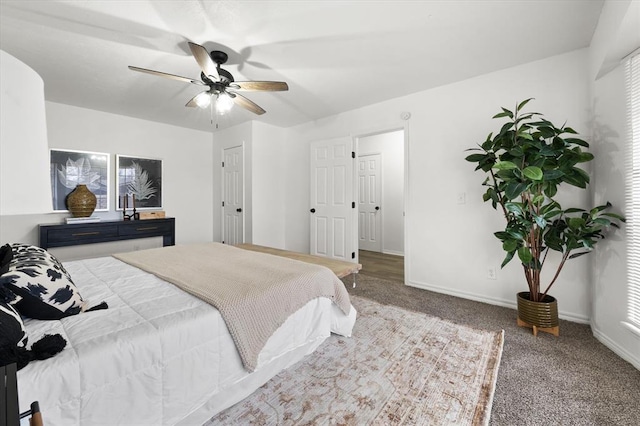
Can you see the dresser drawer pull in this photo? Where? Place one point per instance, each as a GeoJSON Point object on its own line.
{"type": "Point", "coordinates": [148, 228]}
{"type": "Point", "coordinates": [80, 234]}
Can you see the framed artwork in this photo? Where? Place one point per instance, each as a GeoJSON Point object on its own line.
{"type": "Point", "coordinates": [140, 178]}
{"type": "Point", "coordinates": [70, 168]}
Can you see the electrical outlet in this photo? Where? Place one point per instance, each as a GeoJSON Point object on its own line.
{"type": "Point", "coordinates": [491, 273]}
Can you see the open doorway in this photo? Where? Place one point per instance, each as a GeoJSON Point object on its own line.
{"type": "Point", "coordinates": [380, 177]}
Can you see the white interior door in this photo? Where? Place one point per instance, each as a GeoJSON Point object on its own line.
{"type": "Point", "coordinates": [233, 197]}
{"type": "Point", "coordinates": [370, 202]}
{"type": "Point", "coordinates": [332, 202]}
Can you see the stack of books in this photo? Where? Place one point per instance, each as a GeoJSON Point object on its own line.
{"type": "Point", "coordinates": [75, 220]}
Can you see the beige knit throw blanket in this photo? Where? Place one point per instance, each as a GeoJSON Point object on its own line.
{"type": "Point", "coordinates": [254, 292]}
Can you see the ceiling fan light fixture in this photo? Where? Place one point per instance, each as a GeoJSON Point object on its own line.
{"type": "Point", "coordinates": [224, 103]}
{"type": "Point", "coordinates": [203, 100]}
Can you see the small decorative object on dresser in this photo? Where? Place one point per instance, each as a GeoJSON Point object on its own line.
{"type": "Point", "coordinates": [81, 202]}
{"type": "Point", "coordinates": [152, 215]}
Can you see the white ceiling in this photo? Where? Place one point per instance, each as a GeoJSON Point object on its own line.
{"type": "Point", "coordinates": [335, 55]}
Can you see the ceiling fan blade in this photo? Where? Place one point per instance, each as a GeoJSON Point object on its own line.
{"type": "Point", "coordinates": [202, 100]}
{"type": "Point", "coordinates": [204, 60]}
{"type": "Point", "coordinates": [164, 74]}
{"type": "Point", "coordinates": [269, 86]}
{"type": "Point", "coordinates": [246, 103]}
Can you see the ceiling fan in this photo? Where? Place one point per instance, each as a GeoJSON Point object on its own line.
{"type": "Point", "coordinates": [220, 82]}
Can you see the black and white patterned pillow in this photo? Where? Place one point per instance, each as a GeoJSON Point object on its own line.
{"type": "Point", "coordinates": [6, 254]}
{"type": "Point", "coordinates": [44, 286]}
{"type": "Point", "coordinates": [12, 331]}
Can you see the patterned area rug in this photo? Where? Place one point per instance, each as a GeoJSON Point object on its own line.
{"type": "Point", "coordinates": [399, 367]}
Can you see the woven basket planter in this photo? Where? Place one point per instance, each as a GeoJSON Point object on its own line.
{"type": "Point", "coordinates": [542, 315]}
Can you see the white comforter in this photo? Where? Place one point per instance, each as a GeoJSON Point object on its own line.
{"type": "Point", "coordinates": [158, 355]}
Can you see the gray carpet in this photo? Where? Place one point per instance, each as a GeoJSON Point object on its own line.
{"type": "Point", "coordinates": [544, 380]}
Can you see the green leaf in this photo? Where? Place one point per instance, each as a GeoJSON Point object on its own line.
{"type": "Point", "coordinates": [507, 258]}
{"type": "Point", "coordinates": [542, 223]}
{"type": "Point", "coordinates": [524, 135]}
{"type": "Point", "coordinates": [514, 189]}
{"type": "Point", "coordinates": [538, 199]}
{"type": "Point", "coordinates": [525, 255]}
{"type": "Point", "coordinates": [573, 256]}
{"type": "Point", "coordinates": [474, 158]}
{"type": "Point", "coordinates": [510, 245]}
{"type": "Point", "coordinates": [550, 190]}
{"type": "Point", "coordinates": [516, 235]}
{"type": "Point", "coordinates": [516, 152]}
{"type": "Point", "coordinates": [585, 156]}
{"type": "Point", "coordinates": [615, 216]}
{"type": "Point", "coordinates": [546, 132]}
{"type": "Point", "coordinates": [575, 222]}
{"type": "Point", "coordinates": [552, 214]}
{"type": "Point", "coordinates": [504, 114]}
{"type": "Point", "coordinates": [533, 173]}
{"type": "Point", "coordinates": [553, 174]}
{"type": "Point", "coordinates": [523, 103]}
{"type": "Point", "coordinates": [576, 141]}
{"type": "Point", "coordinates": [502, 235]}
{"type": "Point", "coordinates": [575, 178]}
{"type": "Point", "coordinates": [505, 165]}
{"type": "Point", "coordinates": [574, 210]}
{"type": "Point", "coordinates": [515, 208]}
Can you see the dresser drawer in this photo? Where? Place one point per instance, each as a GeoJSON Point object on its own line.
{"type": "Point", "coordinates": [58, 235]}
{"type": "Point", "coordinates": [146, 227]}
{"type": "Point", "coordinates": [82, 233]}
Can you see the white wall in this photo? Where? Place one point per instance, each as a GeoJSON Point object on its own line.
{"type": "Point", "coordinates": [391, 147]}
{"type": "Point", "coordinates": [610, 135]}
{"type": "Point", "coordinates": [187, 172]}
{"type": "Point", "coordinates": [24, 156]}
{"type": "Point", "coordinates": [264, 180]}
{"type": "Point", "coordinates": [442, 235]}
{"type": "Point", "coordinates": [269, 193]}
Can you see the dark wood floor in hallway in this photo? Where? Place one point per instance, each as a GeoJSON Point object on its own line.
{"type": "Point", "coordinates": [380, 265]}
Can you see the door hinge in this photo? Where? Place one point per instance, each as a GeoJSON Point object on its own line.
{"type": "Point", "coordinates": [223, 164]}
{"type": "Point", "coordinates": [223, 204]}
{"type": "Point", "coordinates": [353, 254]}
{"type": "Point", "coordinates": [353, 154]}
{"type": "Point", "coordinates": [353, 204]}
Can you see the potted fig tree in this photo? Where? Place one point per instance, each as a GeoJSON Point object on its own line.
{"type": "Point", "coordinates": [524, 164]}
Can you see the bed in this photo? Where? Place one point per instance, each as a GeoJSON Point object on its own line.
{"type": "Point", "coordinates": [158, 355]}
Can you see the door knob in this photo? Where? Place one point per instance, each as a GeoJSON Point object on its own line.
{"type": "Point", "coordinates": [239, 210]}
{"type": "Point", "coordinates": [377, 207]}
{"type": "Point", "coordinates": [312, 210]}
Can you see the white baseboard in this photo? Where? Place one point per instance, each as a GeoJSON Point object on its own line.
{"type": "Point", "coordinates": [392, 252]}
{"type": "Point", "coordinates": [569, 316]}
{"type": "Point", "coordinates": [621, 352]}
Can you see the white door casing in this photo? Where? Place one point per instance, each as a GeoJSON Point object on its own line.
{"type": "Point", "coordinates": [332, 202]}
{"type": "Point", "coordinates": [370, 202]}
{"type": "Point", "coordinates": [233, 196]}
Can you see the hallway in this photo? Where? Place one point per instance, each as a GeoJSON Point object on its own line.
{"type": "Point", "coordinates": [380, 265]}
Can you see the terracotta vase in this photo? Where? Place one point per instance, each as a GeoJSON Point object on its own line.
{"type": "Point", "coordinates": [81, 202]}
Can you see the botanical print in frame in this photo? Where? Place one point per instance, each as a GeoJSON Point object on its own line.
{"type": "Point", "coordinates": [70, 168]}
{"type": "Point", "coordinates": [139, 177]}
